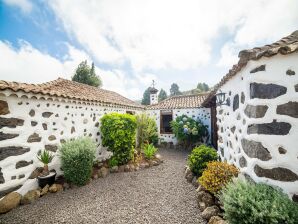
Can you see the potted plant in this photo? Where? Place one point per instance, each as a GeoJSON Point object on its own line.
{"type": "Point", "coordinates": [45, 176]}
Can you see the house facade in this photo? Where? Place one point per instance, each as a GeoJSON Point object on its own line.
{"type": "Point", "coordinates": [258, 121]}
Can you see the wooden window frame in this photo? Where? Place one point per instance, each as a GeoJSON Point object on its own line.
{"type": "Point", "coordinates": [161, 123]}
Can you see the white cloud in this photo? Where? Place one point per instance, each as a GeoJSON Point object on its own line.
{"type": "Point", "coordinates": [25, 5]}
{"type": "Point", "coordinates": [28, 64]}
{"type": "Point", "coordinates": [228, 55]}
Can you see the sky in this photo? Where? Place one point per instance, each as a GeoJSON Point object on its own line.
{"type": "Point", "coordinates": [133, 42]}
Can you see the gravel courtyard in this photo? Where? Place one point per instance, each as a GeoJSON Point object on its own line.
{"type": "Point", "coordinates": [155, 195]}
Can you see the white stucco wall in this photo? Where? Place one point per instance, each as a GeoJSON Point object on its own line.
{"type": "Point", "coordinates": [196, 113]}
{"type": "Point", "coordinates": [84, 118]}
{"type": "Point", "coordinates": [229, 143]}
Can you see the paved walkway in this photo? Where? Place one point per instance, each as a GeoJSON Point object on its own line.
{"type": "Point", "coordinates": [155, 195]}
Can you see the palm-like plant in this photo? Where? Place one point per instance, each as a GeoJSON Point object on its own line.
{"type": "Point", "coordinates": [45, 157]}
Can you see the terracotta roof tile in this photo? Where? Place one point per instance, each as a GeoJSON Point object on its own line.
{"type": "Point", "coordinates": [286, 45]}
{"type": "Point", "coordinates": [73, 90]}
{"type": "Point", "coordinates": [179, 102]}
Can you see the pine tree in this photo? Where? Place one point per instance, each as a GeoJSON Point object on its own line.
{"type": "Point", "coordinates": [162, 95]}
{"type": "Point", "coordinates": [85, 74]}
{"type": "Point", "coordinates": [174, 91]}
{"type": "Point", "coordinates": [146, 97]}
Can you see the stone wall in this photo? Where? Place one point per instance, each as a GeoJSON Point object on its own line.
{"type": "Point", "coordinates": [196, 113]}
{"type": "Point", "coordinates": [29, 123]}
{"type": "Point", "coordinates": [258, 129]}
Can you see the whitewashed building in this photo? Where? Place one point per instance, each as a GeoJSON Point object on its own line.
{"type": "Point", "coordinates": [258, 120]}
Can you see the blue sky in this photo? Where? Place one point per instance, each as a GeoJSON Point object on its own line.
{"type": "Point", "coordinates": [133, 42]}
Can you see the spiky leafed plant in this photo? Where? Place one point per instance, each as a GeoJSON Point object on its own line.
{"type": "Point", "coordinates": [45, 157]}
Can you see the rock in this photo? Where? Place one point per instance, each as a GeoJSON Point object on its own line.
{"type": "Point", "coordinates": [35, 173]}
{"type": "Point", "coordinates": [34, 138]}
{"type": "Point", "coordinates": [121, 169]}
{"type": "Point", "coordinates": [45, 190]}
{"type": "Point", "coordinates": [266, 91]}
{"type": "Point", "coordinates": [10, 122]}
{"type": "Point", "coordinates": [236, 102]}
{"type": "Point", "coordinates": [155, 163]}
{"type": "Point", "coordinates": [9, 202]}
{"type": "Point", "coordinates": [281, 150]}
{"type": "Point", "coordinates": [3, 108]}
{"type": "Point", "coordinates": [210, 211]}
{"type": "Point", "coordinates": [194, 182]}
{"type": "Point", "coordinates": [290, 72]}
{"type": "Point", "coordinates": [33, 123]}
{"type": "Point", "coordinates": [46, 114]}
{"type": "Point", "coordinates": [255, 150]}
{"type": "Point", "coordinates": [52, 137]}
{"type": "Point", "coordinates": [216, 220]}
{"type": "Point", "coordinates": [204, 200]}
{"type": "Point", "coordinates": [66, 185]}
{"type": "Point", "coordinates": [242, 97]}
{"type": "Point", "coordinates": [258, 111]}
{"type": "Point", "coordinates": [32, 113]}
{"type": "Point", "coordinates": [52, 148]}
{"type": "Point", "coordinates": [72, 130]}
{"type": "Point", "coordinates": [189, 175]}
{"type": "Point", "coordinates": [23, 163]}
{"type": "Point", "coordinates": [126, 168]}
{"type": "Point", "coordinates": [273, 128]}
{"type": "Point", "coordinates": [131, 168]}
{"type": "Point", "coordinates": [278, 173]}
{"type": "Point", "coordinates": [200, 188]}
{"type": "Point", "coordinates": [9, 190]}
{"type": "Point", "coordinates": [56, 188]}
{"type": "Point", "coordinates": [296, 88]}
{"type": "Point", "coordinates": [4, 136]}
{"type": "Point", "coordinates": [258, 69]}
{"type": "Point", "coordinates": [30, 196]}
{"type": "Point", "coordinates": [242, 162]}
{"type": "Point", "coordinates": [158, 156]}
{"type": "Point", "coordinates": [103, 172]}
{"type": "Point", "coordinates": [114, 169]}
{"type": "Point", "coordinates": [44, 126]}
{"type": "Point", "coordinates": [289, 109]}
{"type": "Point", "coordinates": [12, 151]}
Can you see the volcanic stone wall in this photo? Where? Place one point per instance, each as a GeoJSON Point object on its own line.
{"type": "Point", "coordinates": [29, 123]}
{"type": "Point", "coordinates": [258, 128]}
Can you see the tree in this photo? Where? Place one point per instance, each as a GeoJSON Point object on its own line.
{"type": "Point", "coordinates": [162, 95]}
{"type": "Point", "coordinates": [146, 97]}
{"type": "Point", "coordinates": [85, 74]}
{"type": "Point", "coordinates": [174, 91]}
{"type": "Point", "coordinates": [203, 87]}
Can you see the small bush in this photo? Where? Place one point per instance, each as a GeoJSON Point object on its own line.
{"type": "Point", "coordinates": [188, 130]}
{"type": "Point", "coordinates": [119, 135]}
{"type": "Point", "coordinates": [113, 162]}
{"type": "Point", "coordinates": [146, 130]}
{"type": "Point", "coordinates": [77, 158]}
{"type": "Point", "coordinates": [217, 175]}
{"type": "Point", "coordinates": [199, 158]}
{"type": "Point", "coordinates": [149, 151]}
{"type": "Point", "coordinates": [257, 203]}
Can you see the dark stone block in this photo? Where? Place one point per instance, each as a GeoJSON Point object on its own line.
{"type": "Point", "coordinates": [3, 108]}
{"type": "Point", "coordinates": [266, 91]}
{"type": "Point", "coordinates": [2, 181]}
{"type": "Point", "coordinates": [52, 137]}
{"type": "Point", "coordinates": [295, 198]}
{"type": "Point", "coordinates": [13, 177]}
{"type": "Point", "coordinates": [296, 87]}
{"type": "Point", "coordinates": [228, 102]}
{"type": "Point", "coordinates": [10, 122]}
{"type": "Point", "coordinates": [290, 72]}
{"type": "Point", "coordinates": [33, 123]}
{"type": "Point", "coordinates": [236, 102]}
{"type": "Point", "coordinates": [72, 130]}
{"type": "Point", "coordinates": [23, 163]}
{"type": "Point", "coordinates": [12, 151]}
{"type": "Point", "coordinates": [46, 114]}
{"type": "Point", "coordinates": [258, 69]}
{"type": "Point", "coordinates": [233, 129]}
{"type": "Point", "coordinates": [52, 148]}
{"type": "Point", "coordinates": [279, 173]}
{"type": "Point", "coordinates": [96, 124]}
{"type": "Point", "coordinates": [21, 176]}
{"type": "Point", "coordinates": [6, 191]}
{"type": "Point", "coordinates": [242, 162]}
{"type": "Point", "coordinates": [281, 150]}
{"type": "Point", "coordinates": [255, 111]}
{"type": "Point", "coordinates": [290, 109]}
{"type": "Point", "coordinates": [34, 138]}
{"type": "Point", "coordinates": [44, 126]}
{"type": "Point", "coordinates": [32, 113]}
{"type": "Point", "coordinates": [242, 97]}
{"type": "Point", "coordinates": [273, 128]}
{"type": "Point", "coordinates": [4, 136]}
{"type": "Point", "coordinates": [255, 149]}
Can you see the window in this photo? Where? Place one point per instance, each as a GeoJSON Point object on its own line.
{"type": "Point", "coordinates": [165, 118]}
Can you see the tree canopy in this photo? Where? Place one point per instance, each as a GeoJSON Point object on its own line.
{"type": "Point", "coordinates": [86, 74]}
{"type": "Point", "coordinates": [174, 90]}
{"type": "Point", "coordinates": [162, 95]}
{"type": "Point", "coordinates": [203, 87]}
{"type": "Point", "coordinates": [146, 97]}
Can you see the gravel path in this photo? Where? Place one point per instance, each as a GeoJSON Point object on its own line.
{"type": "Point", "coordinates": [155, 195]}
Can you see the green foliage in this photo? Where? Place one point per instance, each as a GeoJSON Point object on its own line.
{"type": "Point", "coordinates": [45, 157]}
{"type": "Point", "coordinates": [113, 162]}
{"type": "Point", "coordinates": [149, 151]}
{"type": "Point", "coordinates": [189, 130]}
{"type": "Point", "coordinates": [203, 87]}
{"type": "Point", "coordinates": [146, 130]}
{"type": "Point", "coordinates": [174, 90]}
{"type": "Point", "coordinates": [119, 134]}
{"type": "Point", "coordinates": [77, 158]}
{"type": "Point", "coordinates": [85, 74]}
{"type": "Point", "coordinates": [199, 157]}
{"type": "Point", "coordinates": [162, 95]}
{"type": "Point", "coordinates": [257, 203]}
{"type": "Point", "coordinates": [146, 97]}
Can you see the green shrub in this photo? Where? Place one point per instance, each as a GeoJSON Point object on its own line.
{"type": "Point", "coordinates": [199, 157]}
{"type": "Point", "coordinates": [113, 162]}
{"type": "Point", "coordinates": [149, 151]}
{"type": "Point", "coordinates": [146, 130]}
{"type": "Point", "coordinates": [188, 130]}
{"type": "Point", "coordinates": [119, 134]}
{"type": "Point", "coordinates": [77, 158]}
{"type": "Point", "coordinates": [257, 203]}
